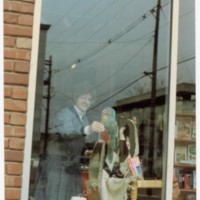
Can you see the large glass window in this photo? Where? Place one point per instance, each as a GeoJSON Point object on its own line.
{"type": "Point", "coordinates": [185, 119]}
{"type": "Point", "coordinates": [101, 99]}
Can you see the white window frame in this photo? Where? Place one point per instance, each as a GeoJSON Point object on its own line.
{"type": "Point", "coordinates": [171, 103]}
{"type": "Point", "coordinates": [197, 68]}
{"type": "Point", "coordinates": [31, 100]}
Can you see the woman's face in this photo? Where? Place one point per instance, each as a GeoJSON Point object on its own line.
{"type": "Point", "coordinates": [84, 102]}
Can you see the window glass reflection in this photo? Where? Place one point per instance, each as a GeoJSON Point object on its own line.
{"type": "Point", "coordinates": [185, 122]}
{"type": "Point", "coordinates": [101, 99]}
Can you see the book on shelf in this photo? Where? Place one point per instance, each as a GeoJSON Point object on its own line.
{"type": "Point", "coordinates": [183, 127]}
{"type": "Point", "coordinates": [186, 179]}
{"type": "Point", "coordinates": [193, 129]}
{"type": "Point", "coordinates": [191, 153]}
{"type": "Point", "coordinates": [180, 154]}
{"type": "Point", "coordinates": [194, 179]}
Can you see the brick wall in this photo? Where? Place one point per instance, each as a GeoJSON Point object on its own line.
{"type": "Point", "coordinates": [18, 21]}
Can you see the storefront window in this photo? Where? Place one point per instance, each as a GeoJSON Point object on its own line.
{"type": "Point", "coordinates": [185, 120]}
{"type": "Point", "coordinates": [101, 100]}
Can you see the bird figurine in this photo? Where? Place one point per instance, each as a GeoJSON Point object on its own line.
{"type": "Point", "coordinates": [108, 118]}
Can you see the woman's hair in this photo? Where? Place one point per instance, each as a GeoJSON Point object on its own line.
{"type": "Point", "coordinates": [84, 88]}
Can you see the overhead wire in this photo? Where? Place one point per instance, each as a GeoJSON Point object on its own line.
{"type": "Point", "coordinates": [142, 76]}
{"type": "Point", "coordinates": [77, 20]}
{"type": "Point", "coordinates": [129, 28]}
{"type": "Point", "coordinates": [94, 18]}
{"type": "Point", "coordinates": [59, 21]}
{"type": "Point", "coordinates": [120, 35]}
{"type": "Point", "coordinates": [123, 66]}
{"type": "Point", "coordinates": [124, 87]}
{"type": "Point", "coordinates": [80, 60]}
{"type": "Point", "coordinates": [117, 49]}
{"type": "Point", "coordinates": [119, 91]}
{"type": "Point", "coordinates": [79, 28]}
{"type": "Point", "coordinates": [130, 83]}
{"type": "Point", "coordinates": [111, 40]}
{"type": "Point", "coordinates": [98, 30]}
{"type": "Point", "coordinates": [116, 37]}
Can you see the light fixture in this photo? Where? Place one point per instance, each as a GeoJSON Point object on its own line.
{"type": "Point", "coordinates": [73, 66]}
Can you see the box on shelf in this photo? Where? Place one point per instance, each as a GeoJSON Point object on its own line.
{"type": "Point", "coordinates": [183, 127]}
{"type": "Point", "coordinates": [193, 129]}
{"type": "Point", "coordinates": [180, 154]}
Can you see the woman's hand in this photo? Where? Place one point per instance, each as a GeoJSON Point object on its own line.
{"type": "Point", "coordinates": [97, 127]}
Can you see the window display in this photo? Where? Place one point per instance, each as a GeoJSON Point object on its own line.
{"type": "Point", "coordinates": [102, 103]}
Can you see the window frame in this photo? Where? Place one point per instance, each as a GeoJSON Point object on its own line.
{"type": "Point", "coordinates": [31, 100]}
{"type": "Point", "coordinates": [168, 171]}
{"type": "Point", "coordinates": [171, 103]}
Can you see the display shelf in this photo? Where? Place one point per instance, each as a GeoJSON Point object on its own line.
{"type": "Point", "coordinates": [188, 191]}
{"type": "Point", "coordinates": [185, 166]}
{"type": "Point", "coordinates": [185, 152]}
{"type": "Point", "coordinates": [144, 184]}
{"type": "Point", "coordinates": [184, 141]}
{"type": "Point", "coordinates": [185, 114]}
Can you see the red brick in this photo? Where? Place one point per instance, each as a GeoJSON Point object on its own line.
{"type": "Point", "coordinates": [31, 1]}
{"type": "Point", "coordinates": [18, 119]}
{"type": "Point", "coordinates": [13, 181]}
{"type": "Point", "coordinates": [19, 131]}
{"type": "Point", "coordinates": [18, 54]}
{"type": "Point", "coordinates": [14, 131]}
{"type": "Point", "coordinates": [16, 30]}
{"type": "Point", "coordinates": [15, 105]}
{"type": "Point", "coordinates": [12, 193]}
{"type": "Point", "coordinates": [16, 79]}
{"type": "Point", "coordinates": [7, 92]}
{"type": "Point", "coordinates": [6, 118]}
{"type": "Point", "coordinates": [6, 143]}
{"type": "Point", "coordinates": [20, 93]}
{"type": "Point", "coordinates": [9, 41]}
{"type": "Point", "coordinates": [16, 143]}
{"type": "Point", "coordinates": [25, 20]}
{"type": "Point", "coordinates": [8, 131]}
{"type": "Point", "coordinates": [13, 168]}
{"type": "Point", "coordinates": [11, 18]}
{"type": "Point", "coordinates": [20, 7]}
{"type": "Point", "coordinates": [13, 155]}
{"type": "Point", "coordinates": [8, 65]}
{"type": "Point", "coordinates": [22, 66]}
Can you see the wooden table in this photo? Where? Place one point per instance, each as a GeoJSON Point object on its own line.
{"type": "Point", "coordinates": [143, 184]}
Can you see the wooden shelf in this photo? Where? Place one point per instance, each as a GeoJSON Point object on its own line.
{"type": "Point", "coordinates": [143, 184]}
{"type": "Point", "coordinates": [189, 190]}
{"type": "Point", "coordinates": [185, 141]}
{"type": "Point", "coordinates": [184, 165]}
{"type": "Point", "coordinates": [185, 114]}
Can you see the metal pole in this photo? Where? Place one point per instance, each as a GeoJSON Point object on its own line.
{"type": "Point", "coordinates": [153, 91]}
{"type": "Point", "coordinates": [48, 97]}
